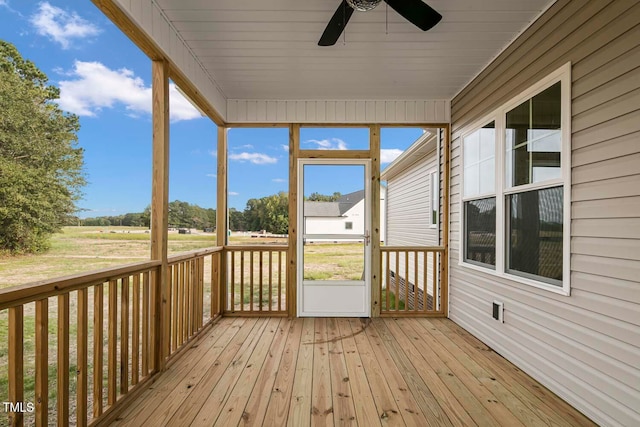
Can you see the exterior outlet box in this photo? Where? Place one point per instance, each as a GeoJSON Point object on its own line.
{"type": "Point", "coordinates": [498, 310]}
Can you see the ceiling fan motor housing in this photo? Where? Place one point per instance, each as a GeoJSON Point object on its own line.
{"type": "Point", "coordinates": [363, 5]}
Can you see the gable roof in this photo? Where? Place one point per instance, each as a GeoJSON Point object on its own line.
{"type": "Point", "coordinates": [333, 209]}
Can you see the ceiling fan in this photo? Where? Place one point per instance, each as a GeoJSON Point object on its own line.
{"type": "Point", "coordinates": [415, 11]}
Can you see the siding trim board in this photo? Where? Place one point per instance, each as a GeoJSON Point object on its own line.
{"type": "Point", "coordinates": [585, 347]}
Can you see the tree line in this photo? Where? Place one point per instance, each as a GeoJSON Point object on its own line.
{"type": "Point", "coordinates": [269, 213]}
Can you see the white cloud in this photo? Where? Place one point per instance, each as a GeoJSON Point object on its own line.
{"type": "Point", "coordinates": [93, 87]}
{"type": "Point", "coordinates": [279, 180]}
{"type": "Point", "coordinates": [233, 193]}
{"type": "Point", "coordinates": [388, 155]}
{"type": "Point", "coordinates": [328, 144]}
{"type": "Point", "coordinates": [212, 175]}
{"type": "Point", "coordinates": [61, 26]}
{"type": "Point", "coordinates": [4, 3]}
{"type": "Point", "coordinates": [255, 158]}
{"type": "Point", "coordinates": [285, 147]}
{"type": "Point", "coordinates": [245, 146]}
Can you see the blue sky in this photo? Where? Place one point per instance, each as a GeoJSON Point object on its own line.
{"type": "Point", "coordinates": [105, 79]}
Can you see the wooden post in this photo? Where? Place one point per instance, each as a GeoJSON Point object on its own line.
{"type": "Point", "coordinates": [160, 208]}
{"type": "Point", "coordinates": [42, 363]}
{"type": "Point", "coordinates": [292, 256]}
{"type": "Point", "coordinates": [221, 217]}
{"type": "Point", "coordinates": [444, 261]}
{"type": "Point", "coordinates": [16, 362]}
{"type": "Point", "coordinates": [376, 256]}
{"type": "Point", "coordinates": [63, 359]}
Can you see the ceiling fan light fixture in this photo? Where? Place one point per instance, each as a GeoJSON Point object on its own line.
{"type": "Point", "coordinates": [363, 5]}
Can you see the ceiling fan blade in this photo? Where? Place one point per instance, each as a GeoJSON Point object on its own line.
{"type": "Point", "coordinates": [336, 25]}
{"type": "Point", "coordinates": [418, 13]}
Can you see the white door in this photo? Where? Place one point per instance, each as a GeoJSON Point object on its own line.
{"type": "Point", "coordinates": [333, 238]}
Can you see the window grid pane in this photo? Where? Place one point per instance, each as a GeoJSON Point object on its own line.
{"type": "Point", "coordinates": [480, 231]}
{"type": "Point", "coordinates": [535, 234]}
{"type": "Point", "coordinates": [534, 140]}
{"type": "Point", "coordinates": [479, 161]}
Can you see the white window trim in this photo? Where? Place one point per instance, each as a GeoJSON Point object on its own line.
{"type": "Point", "coordinates": [563, 75]}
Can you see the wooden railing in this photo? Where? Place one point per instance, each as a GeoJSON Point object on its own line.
{"type": "Point", "coordinates": [256, 280]}
{"type": "Point", "coordinates": [114, 304]}
{"type": "Point", "coordinates": [411, 282]}
{"type": "Point", "coordinates": [194, 295]}
{"type": "Point", "coordinates": [92, 339]}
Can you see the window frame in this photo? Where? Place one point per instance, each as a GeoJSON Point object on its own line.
{"type": "Point", "coordinates": [502, 191]}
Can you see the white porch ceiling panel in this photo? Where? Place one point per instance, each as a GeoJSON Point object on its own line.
{"type": "Point", "coordinates": [260, 54]}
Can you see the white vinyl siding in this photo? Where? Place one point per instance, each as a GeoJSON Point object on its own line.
{"type": "Point", "coordinates": [409, 205]}
{"type": "Point", "coordinates": [409, 216]}
{"type": "Point", "coordinates": [585, 347]}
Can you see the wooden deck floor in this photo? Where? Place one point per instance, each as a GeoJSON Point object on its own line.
{"type": "Point", "coordinates": [301, 372]}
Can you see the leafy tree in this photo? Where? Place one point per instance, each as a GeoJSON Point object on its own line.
{"type": "Point", "coordinates": [40, 163]}
{"type": "Point", "coordinates": [317, 197]}
{"type": "Point", "coordinates": [270, 213]}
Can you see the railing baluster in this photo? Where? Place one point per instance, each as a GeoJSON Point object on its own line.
{"type": "Point", "coordinates": [145, 323]}
{"type": "Point", "coordinates": [192, 274]}
{"type": "Point", "coordinates": [397, 282]}
{"type": "Point", "coordinates": [215, 295]}
{"type": "Point", "coordinates": [112, 344]}
{"type": "Point", "coordinates": [279, 280]}
{"type": "Point", "coordinates": [406, 280]}
{"type": "Point", "coordinates": [42, 363]}
{"type": "Point", "coordinates": [16, 362]}
{"type": "Point", "coordinates": [241, 280]}
{"type": "Point", "coordinates": [416, 284]}
{"type": "Point", "coordinates": [232, 302]}
{"type": "Point", "coordinates": [425, 279]}
{"type": "Point", "coordinates": [63, 359]}
{"type": "Point", "coordinates": [175, 303]}
{"type": "Point", "coordinates": [83, 350]}
{"type": "Point", "coordinates": [435, 280]}
{"type": "Point", "coordinates": [201, 297]}
{"type": "Point", "coordinates": [124, 336]}
{"type": "Point", "coordinates": [388, 281]}
{"type": "Point", "coordinates": [260, 275]}
{"type": "Point", "coordinates": [270, 279]}
{"type": "Point", "coordinates": [180, 303]}
{"type": "Point", "coordinates": [98, 350]}
{"type": "Point", "coordinates": [251, 268]}
{"type": "Point", "coordinates": [135, 331]}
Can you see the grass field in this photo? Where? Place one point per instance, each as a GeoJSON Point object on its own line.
{"type": "Point", "coordinates": [85, 249]}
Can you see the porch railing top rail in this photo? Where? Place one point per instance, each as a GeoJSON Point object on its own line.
{"type": "Point", "coordinates": [193, 254]}
{"type": "Point", "coordinates": [30, 292]}
{"type": "Point", "coordinates": [412, 248]}
{"type": "Point", "coordinates": [256, 248]}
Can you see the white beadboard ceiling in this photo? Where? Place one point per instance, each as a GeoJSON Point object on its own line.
{"type": "Point", "coordinates": [267, 49]}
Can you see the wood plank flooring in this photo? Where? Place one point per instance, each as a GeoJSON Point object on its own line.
{"type": "Point", "coordinates": [351, 372]}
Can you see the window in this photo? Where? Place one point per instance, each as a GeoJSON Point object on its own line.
{"type": "Point", "coordinates": [516, 187]}
{"type": "Point", "coordinates": [435, 198]}
{"type": "Point", "coordinates": [479, 210]}
{"type": "Point", "coordinates": [348, 225]}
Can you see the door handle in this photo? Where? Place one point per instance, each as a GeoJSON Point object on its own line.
{"type": "Point", "coordinates": [367, 238]}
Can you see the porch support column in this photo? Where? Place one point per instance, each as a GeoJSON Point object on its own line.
{"type": "Point", "coordinates": [444, 263]}
{"type": "Point", "coordinates": [222, 230]}
{"type": "Point", "coordinates": [292, 255]}
{"type": "Point", "coordinates": [160, 210]}
{"type": "Point", "coordinates": [376, 256]}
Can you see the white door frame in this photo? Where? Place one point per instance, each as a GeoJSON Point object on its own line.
{"type": "Point", "coordinates": [347, 287]}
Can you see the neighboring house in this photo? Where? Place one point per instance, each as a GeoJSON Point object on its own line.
{"type": "Point", "coordinates": [412, 213]}
{"type": "Point", "coordinates": [344, 216]}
